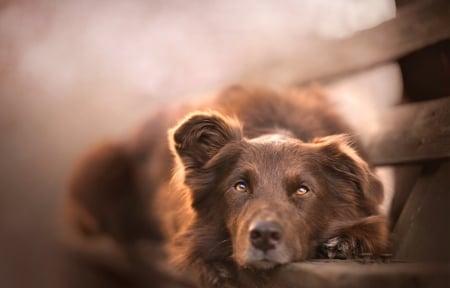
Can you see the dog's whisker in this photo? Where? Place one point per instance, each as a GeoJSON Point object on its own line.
{"type": "Point", "coordinates": [221, 245]}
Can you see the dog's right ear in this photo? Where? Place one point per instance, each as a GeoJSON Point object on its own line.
{"type": "Point", "coordinates": [198, 137]}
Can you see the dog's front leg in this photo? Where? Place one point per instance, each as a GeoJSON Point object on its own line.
{"type": "Point", "coordinates": [367, 237]}
{"type": "Point", "coordinates": [217, 274]}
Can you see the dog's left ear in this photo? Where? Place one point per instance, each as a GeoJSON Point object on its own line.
{"type": "Point", "coordinates": [345, 160]}
{"type": "Point", "coordinates": [201, 135]}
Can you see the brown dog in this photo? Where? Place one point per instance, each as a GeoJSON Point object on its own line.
{"type": "Point", "coordinates": [259, 180]}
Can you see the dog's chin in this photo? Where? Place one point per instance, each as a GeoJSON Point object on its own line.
{"type": "Point", "coordinates": [261, 264]}
{"type": "Point", "coordinates": [255, 259]}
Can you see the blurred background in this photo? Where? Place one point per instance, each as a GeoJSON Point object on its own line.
{"type": "Point", "coordinates": [74, 72]}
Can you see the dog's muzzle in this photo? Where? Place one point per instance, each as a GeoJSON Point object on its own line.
{"type": "Point", "coordinates": [265, 235]}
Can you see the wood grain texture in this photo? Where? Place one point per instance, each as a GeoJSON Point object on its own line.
{"type": "Point", "coordinates": [405, 178]}
{"type": "Point", "coordinates": [411, 133]}
{"type": "Point", "coordinates": [348, 274]}
{"type": "Point", "coordinates": [421, 233]}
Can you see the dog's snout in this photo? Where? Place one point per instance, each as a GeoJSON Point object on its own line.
{"type": "Point", "coordinates": [265, 235]}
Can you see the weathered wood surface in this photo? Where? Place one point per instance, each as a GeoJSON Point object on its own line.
{"type": "Point", "coordinates": [99, 264]}
{"type": "Point", "coordinates": [421, 233]}
{"type": "Point", "coordinates": [350, 274]}
{"type": "Point", "coordinates": [88, 268]}
{"type": "Point", "coordinates": [405, 178]}
{"type": "Point", "coordinates": [411, 133]}
{"type": "Point", "coordinates": [417, 25]}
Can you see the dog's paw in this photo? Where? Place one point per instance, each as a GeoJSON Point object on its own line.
{"type": "Point", "coordinates": [338, 248]}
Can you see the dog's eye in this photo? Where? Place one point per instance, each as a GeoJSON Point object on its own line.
{"type": "Point", "coordinates": [241, 187]}
{"type": "Point", "coordinates": [302, 190]}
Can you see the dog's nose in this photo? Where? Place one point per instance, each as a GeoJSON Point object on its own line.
{"type": "Point", "coordinates": [265, 235]}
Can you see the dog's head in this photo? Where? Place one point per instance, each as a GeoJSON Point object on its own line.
{"type": "Point", "coordinates": [277, 196]}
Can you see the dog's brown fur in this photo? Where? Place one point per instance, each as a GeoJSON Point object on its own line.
{"type": "Point", "coordinates": [249, 162]}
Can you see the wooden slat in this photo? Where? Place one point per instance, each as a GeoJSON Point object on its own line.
{"type": "Point", "coordinates": [421, 233]}
{"type": "Point", "coordinates": [417, 25]}
{"type": "Point", "coordinates": [348, 274]}
{"type": "Point", "coordinates": [405, 178]}
{"type": "Point", "coordinates": [411, 133]}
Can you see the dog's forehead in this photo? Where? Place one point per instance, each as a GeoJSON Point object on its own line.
{"type": "Point", "coordinates": [274, 139]}
{"type": "Point", "coordinates": [275, 147]}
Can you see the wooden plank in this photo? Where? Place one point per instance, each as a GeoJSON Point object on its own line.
{"type": "Point", "coordinates": [422, 233]}
{"type": "Point", "coordinates": [405, 178]}
{"type": "Point", "coordinates": [417, 25]}
{"type": "Point", "coordinates": [349, 274]}
{"type": "Point", "coordinates": [411, 133]}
